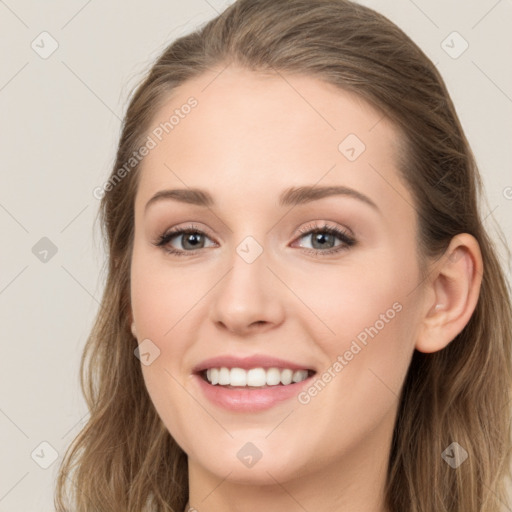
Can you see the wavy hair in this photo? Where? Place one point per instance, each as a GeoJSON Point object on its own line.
{"type": "Point", "coordinates": [124, 459]}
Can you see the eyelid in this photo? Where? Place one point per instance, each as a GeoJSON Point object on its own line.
{"type": "Point", "coordinates": [342, 233]}
{"type": "Point", "coordinates": [191, 227]}
{"type": "Point", "coordinates": [324, 225]}
{"type": "Point", "coordinates": [179, 230]}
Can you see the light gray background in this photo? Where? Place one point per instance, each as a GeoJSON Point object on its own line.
{"type": "Point", "coordinates": [60, 121]}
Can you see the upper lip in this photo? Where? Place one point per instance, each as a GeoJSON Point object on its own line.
{"type": "Point", "coordinates": [246, 363]}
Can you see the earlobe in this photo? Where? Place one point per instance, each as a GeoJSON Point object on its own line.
{"type": "Point", "coordinates": [455, 286]}
{"type": "Point", "coordinates": [134, 331]}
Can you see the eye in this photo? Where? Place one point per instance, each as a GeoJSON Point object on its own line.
{"type": "Point", "coordinates": [192, 239]}
{"type": "Point", "coordinates": [323, 239]}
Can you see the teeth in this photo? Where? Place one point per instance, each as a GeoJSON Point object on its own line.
{"type": "Point", "coordinates": [214, 375]}
{"type": "Point", "coordinates": [273, 377]}
{"type": "Point", "coordinates": [300, 375]}
{"type": "Point", "coordinates": [224, 377]}
{"type": "Point", "coordinates": [255, 377]}
{"type": "Point", "coordinates": [287, 376]}
{"type": "Point", "coordinates": [238, 377]}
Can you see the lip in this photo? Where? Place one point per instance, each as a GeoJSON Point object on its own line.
{"type": "Point", "coordinates": [246, 363]}
{"type": "Point", "coordinates": [246, 399]}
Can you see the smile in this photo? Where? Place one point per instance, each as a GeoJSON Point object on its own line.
{"type": "Point", "coordinates": [254, 377]}
{"type": "Point", "coordinates": [252, 383]}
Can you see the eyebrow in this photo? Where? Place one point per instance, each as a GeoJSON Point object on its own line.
{"type": "Point", "coordinates": [290, 197]}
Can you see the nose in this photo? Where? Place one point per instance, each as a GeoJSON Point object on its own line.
{"type": "Point", "coordinates": [249, 298]}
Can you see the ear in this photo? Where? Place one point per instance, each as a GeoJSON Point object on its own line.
{"type": "Point", "coordinates": [453, 288]}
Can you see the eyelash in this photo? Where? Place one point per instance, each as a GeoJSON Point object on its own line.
{"type": "Point", "coordinates": [344, 236]}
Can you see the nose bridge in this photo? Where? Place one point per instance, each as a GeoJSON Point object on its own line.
{"type": "Point", "coordinates": [248, 277]}
{"type": "Point", "coordinates": [246, 295]}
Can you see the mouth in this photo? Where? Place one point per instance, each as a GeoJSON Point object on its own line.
{"type": "Point", "coordinates": [250, 384]}
{"type": "Point", "coordinates": [254, 378]}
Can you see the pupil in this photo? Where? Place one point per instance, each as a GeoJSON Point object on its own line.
{"type": "Point", "coordinates": [192, 237]}
{"type": "Point", "coordinates": [321, 237]}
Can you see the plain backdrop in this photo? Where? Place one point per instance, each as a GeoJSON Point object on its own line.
{"type": "Point", "coordinates": [60, 121]}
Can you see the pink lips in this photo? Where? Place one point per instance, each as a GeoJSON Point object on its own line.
{"type": "Point", "coordinates": [255, 361]}
{"type": "Point", "coordinates": [246, 399]}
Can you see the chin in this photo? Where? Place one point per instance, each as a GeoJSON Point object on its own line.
{"type": "Point", "coordinates": [247, 463]}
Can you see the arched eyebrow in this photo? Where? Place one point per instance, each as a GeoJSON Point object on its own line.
{"type": "Point", "coordinates": [290, 197]}
{"type": "Point", "coordinates": [300, 195]}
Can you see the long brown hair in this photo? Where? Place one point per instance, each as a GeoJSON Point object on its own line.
{"type": "Point", "coordinates": [124, 459]}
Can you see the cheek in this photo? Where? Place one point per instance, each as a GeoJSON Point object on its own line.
{"type": "Point", "coordinates": [161, 296]}
{"type": "Point", "coordinates": [172, 404]}
{"type": "Point", "coordinates": [162, 304]}
{"type": "Point", "coordinates": [368, 358]}
{"type": "Point", "coordinates": [358, 294]}
{"type": "Point", "coordinates": [158, 303]}
{"type": "Point", "coordinates": [371, 317]}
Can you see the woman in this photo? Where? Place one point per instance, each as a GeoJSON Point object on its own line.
{"type": "Point", "coordinates": [303, 310]}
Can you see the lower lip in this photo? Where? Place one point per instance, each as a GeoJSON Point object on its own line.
{"type": "Point", "coordinates": [249, 399]}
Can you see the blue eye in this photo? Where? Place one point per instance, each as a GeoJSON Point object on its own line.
{"type": "Point", "coordinates": [190, 236]}
{"type": "Point", "coordinates": [325, 235]}
{"type": "Point", "coordinates": [321, 236]}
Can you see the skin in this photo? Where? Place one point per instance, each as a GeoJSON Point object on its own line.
{"type": "Point", "coordinates": [250, 137]}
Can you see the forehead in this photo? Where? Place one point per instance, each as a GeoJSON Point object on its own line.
{"type": "Point", "coordinates": [261, 133]}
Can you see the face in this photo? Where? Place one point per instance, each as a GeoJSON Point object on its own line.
{"type": "Point", "coordinates": [279, 327]}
